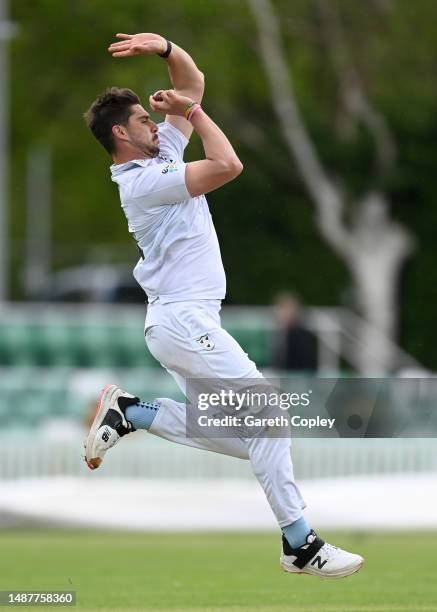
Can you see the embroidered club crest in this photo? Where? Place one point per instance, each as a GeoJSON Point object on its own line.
{"type": "Point", "coordinates": [206, 342]}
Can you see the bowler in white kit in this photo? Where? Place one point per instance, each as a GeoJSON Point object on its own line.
{"type": "Point", "coordinates": [181, 271]}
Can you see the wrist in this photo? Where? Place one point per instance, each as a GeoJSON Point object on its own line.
{"type": "Point", "coordinates": [166, 49]}
{"type": "Point", "coordinates": [191, 109]}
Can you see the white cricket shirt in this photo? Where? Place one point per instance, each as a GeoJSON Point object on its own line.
{"type": "Point", "coordinates": [175, 233]}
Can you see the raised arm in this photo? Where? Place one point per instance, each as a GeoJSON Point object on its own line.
{"type": "Point", "coordinates": [186, 78]}
{"type": "Point", "coordinates": [220, 164]}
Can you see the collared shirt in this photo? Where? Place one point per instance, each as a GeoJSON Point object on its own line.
{"type": "Point", "coordinates": [175, 233]}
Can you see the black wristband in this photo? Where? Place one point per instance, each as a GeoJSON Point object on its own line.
{"type": "Point", "coordinates": [167, 51]}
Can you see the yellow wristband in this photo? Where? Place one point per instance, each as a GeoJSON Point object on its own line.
{"type": "Point", "coordinates": [188, 109]}
{"type": "Point", "coordinates": [193, 110]}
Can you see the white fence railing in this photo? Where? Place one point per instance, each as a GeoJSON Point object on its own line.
{"type": "Point", "coordinates": [145, 456]}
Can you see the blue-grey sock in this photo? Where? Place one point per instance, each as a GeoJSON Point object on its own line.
{"type": "Point", "coordinates": [141, 415]}
{"type": "Point", "coordinates": [296, 533]}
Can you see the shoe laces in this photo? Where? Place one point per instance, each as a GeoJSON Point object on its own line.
{"type": "Point", "coordinates": [330, 550]}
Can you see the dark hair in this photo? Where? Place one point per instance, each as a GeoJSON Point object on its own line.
{"type": "Point", "coordinates": [113, 107]}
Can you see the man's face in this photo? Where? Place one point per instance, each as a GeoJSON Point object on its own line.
{"type": "Point", "coordinates": [142, 132]}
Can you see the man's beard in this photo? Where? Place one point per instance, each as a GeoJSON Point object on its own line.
{"type": "Point", "coordinates": [152, 151]}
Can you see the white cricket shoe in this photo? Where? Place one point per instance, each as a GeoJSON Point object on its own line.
{"type": "Point", "coordinates": [109, 424]}
{"type": "Point", "coordinates": [318, 558]}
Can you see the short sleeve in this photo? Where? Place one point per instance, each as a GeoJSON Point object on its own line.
{"type": "Point", "coordinates": [171, 140]}
{"type": "Point", "coordinates": [160, 184]}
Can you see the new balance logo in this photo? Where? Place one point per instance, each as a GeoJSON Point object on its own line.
{"type": "Point", "coordinates": [105, 435]}
{"type": "Point", "coordinates": [319, 562]}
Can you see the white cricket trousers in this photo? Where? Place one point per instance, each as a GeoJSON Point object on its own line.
{"type": "Point", "coordinates": [173, 335]}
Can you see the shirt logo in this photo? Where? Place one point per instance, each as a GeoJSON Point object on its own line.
{"type": "Point", "coordinates": [169, 168]}
{"type": "Point", "coordinates": [171, 165]}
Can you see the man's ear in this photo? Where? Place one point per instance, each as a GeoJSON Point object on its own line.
{"type": "Point", "coordinates": [119, 131]}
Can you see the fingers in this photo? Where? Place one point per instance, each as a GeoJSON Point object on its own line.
{"type": "Point", "coordinates": [160, 98]}
{"type": "Point", "coordinates": [164, 94]}
{"type": "Point", "coordinates": [126, 53]}
{"type": "Point", "coordinates": [145, 44]}
{"type": "Point", "coordinates": [118, 49]}
{"type": "Point", "coordinates": [162, 101]}
{"type": "Point", "coordinates": [127, 50]}
{"type": "Point", "coordinates": [152, 103]}
{"type": "Point", "coordinates": [120, 45]}
{"type": "Point", "coordinates": [167, 95]}
{"type": "Point", "coordinates": [157, 106]}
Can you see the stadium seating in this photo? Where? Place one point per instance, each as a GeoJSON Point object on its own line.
{"type": "Point", "coordinates": [113, 340]}
{"type": "Point", "coordinates": [47, 355]}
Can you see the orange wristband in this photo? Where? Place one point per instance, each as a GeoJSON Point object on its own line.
{"type": "Point", "coordinates": [193, 110]}
{"type": "Point", "coordinates": [188, 109]}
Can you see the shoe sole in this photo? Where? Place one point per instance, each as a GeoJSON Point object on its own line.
{"type": "Point", "coordinates": [341, 574]}
{"type": "Point", "coordinates": [94, 462]}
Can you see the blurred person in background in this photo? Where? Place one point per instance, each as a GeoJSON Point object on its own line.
{"type": "Point", "coordinates": [181, 272]}
{"type": "Point", "coordinates": [294, 347]}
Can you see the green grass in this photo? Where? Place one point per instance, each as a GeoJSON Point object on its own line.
{"type": "Point", "coordinates": [221, 572]}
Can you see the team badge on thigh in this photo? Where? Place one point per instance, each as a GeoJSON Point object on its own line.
{"type": "Point", "coordinates": [206, 342]}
